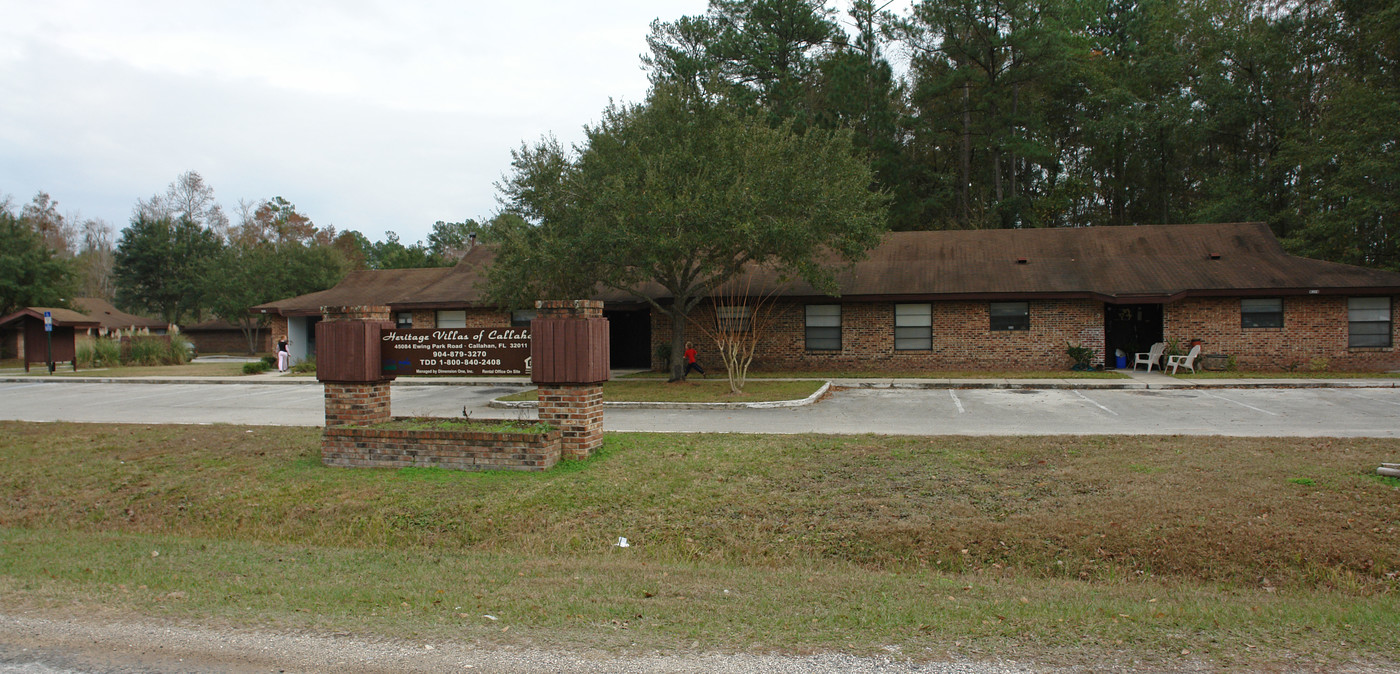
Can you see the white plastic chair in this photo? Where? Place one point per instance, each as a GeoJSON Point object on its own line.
{"type": "Point", "coordinates": [1152, 357]}
{"type": "Point", "coordinates": [1187, 361]}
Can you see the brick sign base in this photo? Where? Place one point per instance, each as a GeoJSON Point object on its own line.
{"type": "Point", "coordinates": [356, 446]}
{"type": "Point", "coordinates": [578, 411]}
{"type": "Point", "coordinates": [357, 392]}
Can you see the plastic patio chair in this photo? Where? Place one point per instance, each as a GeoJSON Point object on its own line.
{"type": "Point", "coordinates": [1152, 357]}
{"type": "Point", "coordinates": [1187, 361]}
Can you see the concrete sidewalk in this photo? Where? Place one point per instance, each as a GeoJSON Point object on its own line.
{"type": "Point", "coordinates": [1139, 380]}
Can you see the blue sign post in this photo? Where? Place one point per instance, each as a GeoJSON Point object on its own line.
{"type": "Point", "coordinates": [48, 332]}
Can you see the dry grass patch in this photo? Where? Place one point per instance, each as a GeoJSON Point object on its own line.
{"type": "Point", "coordinates": [1248, 550]}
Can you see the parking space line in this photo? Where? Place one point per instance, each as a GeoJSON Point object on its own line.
{"type": "Point", "coordinates": [1086, 399]}
{"type": "Point", "coordinates": [957, 402]}
{"type": "Point", "coordinates": [1256, 409]}
{"type": "Point", "coordinates": [1374, 400]}
{"type": "Point", "coordinates": [21, 386]}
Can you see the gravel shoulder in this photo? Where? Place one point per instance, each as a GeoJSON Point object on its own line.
{"type": "Point", "coordinates": [38, 643]}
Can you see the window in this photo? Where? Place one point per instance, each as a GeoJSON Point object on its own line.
{"type": "Point", "coordinates": [520, 318]}
{"type": "Point", "coordinates": [913, 327]}
{"type": "Point", "coordinates": [452, 319]}
{"type": "Point", "coordinates": [824, 327]}
{"type": "Point", "coordinates": [1011, 315]}
{"type": "Point", "coordinates": [1261, 313]}
{"type": "Point", "coordinates": [732, 319]}
{"type": "Point", "coordinates": [403, 320]}
{"type": "Point", "coordinates": [1368, 319]}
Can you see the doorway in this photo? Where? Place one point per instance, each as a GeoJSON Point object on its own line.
{"type": "Point", "coordinates": [1131, 328]}
{"type": "Point", "coordinates": [629, 338]}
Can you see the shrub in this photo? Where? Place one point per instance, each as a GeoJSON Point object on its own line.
{"type": "Point", "coordinates": [269, 362]}
{"type": "Point", "coordinates": [100, 352]}
{"type": "Point", "coordinates": [257, 367]}
{"type": "Point", "coordinates": [181, 349]}
{"type": "Point", "coordinates": [1083, 357]}
{"type": "Point", "coordinates": [663, 355]}
{"type": "Point", "coordinates": [305, 366]}
{"type": "Point", "coordinates": [144, 350]}
{"type": "Point", "coordinates": [86, 354]}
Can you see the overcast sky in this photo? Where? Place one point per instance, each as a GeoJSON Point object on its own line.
{"type": "Point", "coordinates": [367, 115]}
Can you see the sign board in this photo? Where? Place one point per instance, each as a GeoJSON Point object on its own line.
{"type": "Point", "coordinates": [456, 351]}
{"type": "Point", "coordinates": [48, 321]}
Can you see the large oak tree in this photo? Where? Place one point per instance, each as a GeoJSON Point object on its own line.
{"type": "Point", "coordinates": [682, 194]}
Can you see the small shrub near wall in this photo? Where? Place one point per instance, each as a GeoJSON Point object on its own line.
{"type": "Point", "coordinates": [134, 350]}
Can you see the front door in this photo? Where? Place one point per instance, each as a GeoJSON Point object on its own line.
{"type": "Point", "coordinates": [1130, 328]}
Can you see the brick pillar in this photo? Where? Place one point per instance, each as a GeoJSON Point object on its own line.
{"type": "Point", "coordinates": [352, 399]}
{"type": "Point", "coordinates": [577, 411]}
{"type": "Point", "coordinates": [356, 402]}
{"type": "Point", "coordinates": [569, 347]}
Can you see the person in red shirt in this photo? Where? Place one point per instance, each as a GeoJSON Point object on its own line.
{"type": "Point", "coordinates": [690, 363]}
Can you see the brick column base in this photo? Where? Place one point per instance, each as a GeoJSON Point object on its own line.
{"type": "Point", "coordinates": [357, 403]}
{"type": "Point", "coordinates": [577, 411]}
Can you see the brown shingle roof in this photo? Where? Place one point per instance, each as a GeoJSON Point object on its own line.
{"type": "Point", "coordinates": [111, 318]}
{"type": "Point", "coordinates": [1146, 263]}
{"type": "Point", "coordinates": [369, 286]}
{"type": "Point", "coordinates": [61, 317]}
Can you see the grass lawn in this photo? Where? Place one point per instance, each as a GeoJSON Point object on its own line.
{"type": "Point", "coordinates": [1239, 553]}
{"type": "Point", "coordinates": [1238, 374]}
{"type": "Point", "coordinates": [186, 370]}
{"type": "Point", "coordinates": [713, 390]}
{"type": "Point", "coordinates": [940, 374]}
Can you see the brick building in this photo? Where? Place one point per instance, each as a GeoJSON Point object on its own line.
{"type": "Point", "coordinates": [986, 299]}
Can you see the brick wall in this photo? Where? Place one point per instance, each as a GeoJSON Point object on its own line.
{"type": "Point", "coordinates": [356, 403]}
{"type": "Point", "coordinates": [1314, 330]}
{"type": "Point", "coordinates": [476, 318]}
{"type": "Point", "coordinates": [351, 446]}
{"type": "Point", "coordinates": [577, 411]}
{"type": "Point", "coordinates": [277, 326]}
{"type": "Point", "coordinates": [226, 341]}
{"type": "Point", "coordinates": [962, 338]}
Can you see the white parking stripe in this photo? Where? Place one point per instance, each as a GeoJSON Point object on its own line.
{"type": "Point", "coordinates": [957, 402]}
{"type": "Point", "coordinates": [20, 386]}
{"type": "Point", "coordinates": [1374, 400]}
{"type": "Point", "coordinates": [1084, 397]}
{"type": "Point", "coordinates": [1256, 409]}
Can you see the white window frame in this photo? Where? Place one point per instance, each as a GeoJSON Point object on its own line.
{"type": "Point", "coordinates": [1261, 312]}
{"type": "Point", "coordinates": [451, 318]}
{"type": "Point", "coordinates": [913, 327]}
{"type": "Point", "coordinates": [1372, 314]}
{"type": "Point", "coordinates": [822, 323]}
{"type": "Point", "coordinates": [733, 318]}
{"type": "Point", "coordinates": [1024, 314]}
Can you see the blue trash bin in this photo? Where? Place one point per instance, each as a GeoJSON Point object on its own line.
{"type": "Point", "coordinates": [1122, 362]}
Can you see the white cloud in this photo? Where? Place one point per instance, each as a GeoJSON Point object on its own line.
{"type": "Point", "coordinates": [371, 115]}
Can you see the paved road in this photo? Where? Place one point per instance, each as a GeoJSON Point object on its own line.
{"type": "Point", "coordinates": [1339, 412]}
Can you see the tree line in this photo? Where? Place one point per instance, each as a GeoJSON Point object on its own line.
{"type": "Point", "coordinates": [1000, 114]}
{"type": "Point", "coordinates": [183, 259]}
{"type": "Point", "coordinates": [1054, 113]}
{"type": "Point", "coordinates": [1005, 114]}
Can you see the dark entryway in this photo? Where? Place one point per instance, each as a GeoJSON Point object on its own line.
{"type": "Point", "coordinates": [629, 339]}
{"type": "Point", "coordinates": [1132, 328]}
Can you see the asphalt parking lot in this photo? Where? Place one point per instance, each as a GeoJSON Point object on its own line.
{"type": "Point", "coordinates": [1313, 412]}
